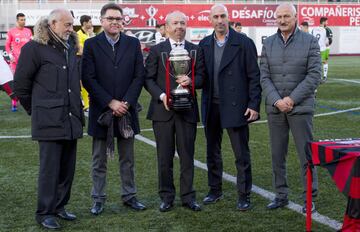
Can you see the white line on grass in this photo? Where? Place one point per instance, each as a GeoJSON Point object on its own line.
{"type": "Point", "coordinates": [337, 112]}
{"type": "Point", "coordinates": [262, 192]}
{"type": "Point", "coordinates": [316, 115]}
{"type": "Point", "coordinates": [346, 80]}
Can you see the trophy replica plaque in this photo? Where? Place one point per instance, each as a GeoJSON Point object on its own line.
{"type": "Point", "coordinates": [180, 63]}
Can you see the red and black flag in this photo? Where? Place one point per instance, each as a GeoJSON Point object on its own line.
{"type": "Point", "coordinates": [342, 159]}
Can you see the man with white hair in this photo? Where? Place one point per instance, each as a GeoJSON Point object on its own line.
{"type": "Point", "coordinates": [230, 100]}
{"type": "Point", "coordinates": [47, 82]}
{"type": "Point", "coordinates": [171, 127]}
{"type": "Point", "coordinates": [290, 69]}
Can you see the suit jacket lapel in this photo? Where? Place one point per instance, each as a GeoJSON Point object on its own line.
{"type": "Point", "coordinates": [124, 41]}
{"type": "Point", "coordinates": [105, 46]}
{"type": "Point", "coordinates": [209, 58]}
{"type": "Point", "coordinates": [165, 48]}
{"type": "Point", "coordinates": [232, 47]}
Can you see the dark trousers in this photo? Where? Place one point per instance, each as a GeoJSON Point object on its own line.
{"type": "Point", "coordinates": [126, 169]}
{"type": "Point", "coordinates": [177, 132]}
{"type": "Point", "coordinates": [56, 174]}
{"type": "Point", "coordinates": [239, 138]}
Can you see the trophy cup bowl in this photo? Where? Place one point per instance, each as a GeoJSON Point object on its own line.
{"type": "Point", "coordinates": [180, 63]}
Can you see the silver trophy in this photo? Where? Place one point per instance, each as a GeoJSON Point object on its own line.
{"type": "Point", "coordinates": [180, 63]}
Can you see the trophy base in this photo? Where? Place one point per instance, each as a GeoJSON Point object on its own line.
{"type": "Point", "coordinates": [181, 100]}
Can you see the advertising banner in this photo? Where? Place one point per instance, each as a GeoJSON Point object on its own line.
{"type": "Point", "coordinates": [338, 15]}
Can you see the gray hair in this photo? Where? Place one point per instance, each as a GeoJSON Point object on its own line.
{"type": "Point", "coordinates": [56, 14]}
{"type": "Point", "coordinates": [287, 5]}
{"type": "Point", "coordinates": [219, 5]}
{"type": "Point", "coordinates": [172, 14]}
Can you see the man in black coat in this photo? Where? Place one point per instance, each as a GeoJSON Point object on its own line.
{"type": "Point", "coordinates": [230, 99]}
{"type": "Point", "coordinates": [113, 74]}
{"type": "Point", "coordinates": [47, 82]}
{"type": "Point", "coordinates": [173, 127]}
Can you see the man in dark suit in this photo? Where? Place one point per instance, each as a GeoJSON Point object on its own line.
{"type": "Point", "coordinates": [173, 127]}
{"type": "Point", "coordinates": [113, 74]}
{"type": "Point", "coordinates": [230, 99]}
{"type": "Point", "coordinates": [47, 82]}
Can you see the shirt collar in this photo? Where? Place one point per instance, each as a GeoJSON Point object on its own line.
{"type": "Point", "coordinates": [173, 42]}
{"type": "Point", "coordinates": [110, 40]}
{"type": "Point", "coordinates": [221, 43]}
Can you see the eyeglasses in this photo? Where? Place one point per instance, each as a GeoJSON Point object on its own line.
{"type": "Point", "coordinates": [112, 19]}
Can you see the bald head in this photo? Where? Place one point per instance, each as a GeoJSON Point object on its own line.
{"type": "Point", "coordinates": [61, 22]}
{"type": "Point", "coordinates": [218, 7]}
{"type": "Point", "coordinates": [219, 19]}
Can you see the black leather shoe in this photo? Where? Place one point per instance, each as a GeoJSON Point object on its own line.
{"type": "Point", "coordinates": [66, 216]}
{"type": "Point", "coordinates": [135, 204]}
{"type": "Point", "coordinates": [212, 198]}
{"type": "Point", "coordinates": [243, 204]}
{"type": "Point", "coordinates": [97, 208]}
{"type": "Point", "coordinates": [165, 206]}
{"type": "Point", "coordinates": [192, 205]}
{"type": "Point", "coordinates": [50, 223]}
{"type": "Point", "coordinates": [278, 203]}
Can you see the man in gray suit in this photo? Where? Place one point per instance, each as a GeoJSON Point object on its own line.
{"type": "Point", "coordinates": [290, 72]}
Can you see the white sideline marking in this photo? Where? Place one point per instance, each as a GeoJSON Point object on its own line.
{"type": "Point", "coordinates": [262, 192]}
{"type": "Point", "coordinates": [316, 115]}
{"type": "Point", "coordinates": [346, 80]}
{"type": "Point", "coordinates": [15, 136]}
{"type": "Point", "coordinates": [337, 112]}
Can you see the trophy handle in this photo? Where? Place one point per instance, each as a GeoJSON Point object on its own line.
{"type": "Point", "coordinates": [164, 58]}
{"type": "Point", "coordinates": [193, 54]}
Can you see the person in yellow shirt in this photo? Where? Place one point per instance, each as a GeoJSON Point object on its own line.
{"type": "Point", "coordinates": [86, 31]}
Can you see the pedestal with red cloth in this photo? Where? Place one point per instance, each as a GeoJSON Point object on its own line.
{"type": "Point", "coordinates": [342, 159]}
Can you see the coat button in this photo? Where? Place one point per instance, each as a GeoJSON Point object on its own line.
{"type": "Point", "coordinates": [64, 67]}
{"type": "Point", "coordinates": [230, 73]}
{"type": "Point", "coordinates": [116, 67]}
{"type": "Point", "coordinates": [284, 75]}
{"type": "Point", "coordinates": [233, 103]}
{"type": "Point", "coordinates": [232, 88]}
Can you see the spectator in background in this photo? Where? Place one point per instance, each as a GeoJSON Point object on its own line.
{"type": "Point", "coordinates": [47, 83]}
{"type": "Point", "coordinates": [86, 31]}
{"type": "Point", "coordinates": [232, 25]}
{"type": "Point", "coordinates": [304, 26]}
{"type": "Point", "coordinates": [160, 34]}
{"type": "Point", "coordinates": [16, 38]}
{"type": "Point", "coordinates": [238, 28]}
